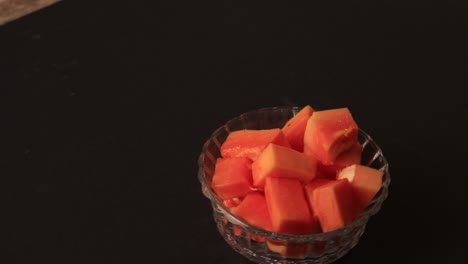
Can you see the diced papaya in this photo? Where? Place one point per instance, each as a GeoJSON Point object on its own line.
{"type": "Point", "coordinates": [250, 143]}
{"type": "Point", "coordinates": [295, 127]}
{"type": "Point", "coordinates": [345, 159]}
{"type": "Point", "coordinates": [334, 203]}
{"type": "Point", "coordinates": [279, 161]}
{"type": "Point", "coordinates": [237, 230]}
{"type": "Point", "coordinates": [329, 133]}
{"type": "Point", "coordinates": [309, 190]}
{"type": "Point", "coordinates": [314, 184]}
{"type": "Point", "coordinates": [288, 206]}
{"type": "Point", "coordinates": [230, 203]}
{"type": "Point", "coordinates": [232, 177]}
{"type": "Point", "coordinates": [253, 209]}
{"type": "Point", "coordinates": [365, 181]}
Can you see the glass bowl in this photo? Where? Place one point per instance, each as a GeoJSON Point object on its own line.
{"type": "Point", "coordinates": [255, 243]}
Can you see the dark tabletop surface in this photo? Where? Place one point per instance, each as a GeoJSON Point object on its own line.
{"type": "Point", "coordinates": [105, 107]}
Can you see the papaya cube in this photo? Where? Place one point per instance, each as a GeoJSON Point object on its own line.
{"type": "Point", "coordinates": [250, 143]}
{"type": "Point", "coordinates": [365, 181]}
{"type": "Point", "coordinates": [230, 203]}
{"type": "Point", "coordinates": [314, 184]}
{"type": "Point", "coordinates": [334, 203]}
{"type": "Point", "coordinates": [253, 209]}
{"type": "Point", "coordinates": [345, 159]}
{"type": "Point", "coordinates": [279, 161]}
{"type": "Point", "coordinates": [232, 177]}
{"type": "Point", "coordinates": [237, 230]}
{"type": "Point", "coordinates": [295, 127]}
{"type": "Point", "coordinates": [329, 133]}
{"type": "Point", "coordinates": [288, 206]}
{"type": "Point", "coordinates": [309, 190]}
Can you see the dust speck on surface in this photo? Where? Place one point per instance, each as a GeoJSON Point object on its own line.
{"type": "Point", "coordinates": [28, 151]}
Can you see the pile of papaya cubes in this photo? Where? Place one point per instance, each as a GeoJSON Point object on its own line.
{"type": "Point", "coordinates": [303, 178]}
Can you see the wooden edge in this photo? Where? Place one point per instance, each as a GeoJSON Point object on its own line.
{"type": "Point", "coordinates": [14, 9]}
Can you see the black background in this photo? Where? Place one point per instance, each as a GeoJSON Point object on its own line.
{"type": "Point", "coordinates": [105, 107]}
